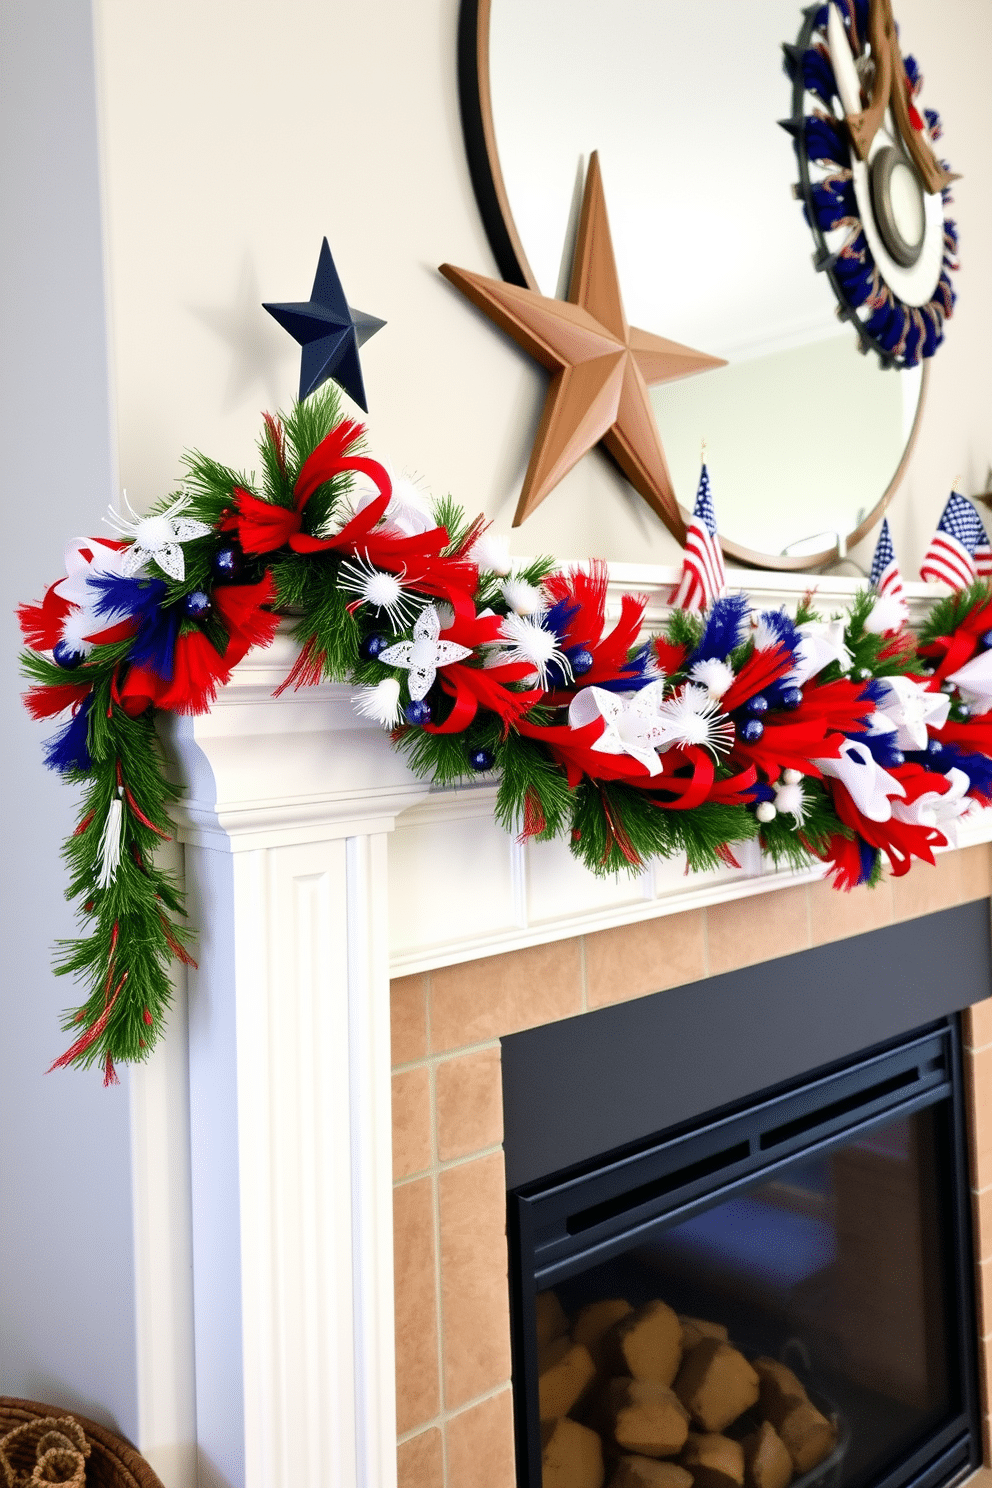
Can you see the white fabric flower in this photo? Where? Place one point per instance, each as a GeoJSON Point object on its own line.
{"type": "Point", "coordinates": [87, 558]}
{"type": "Point", "coordinates": [422, 656]}
{"type": "Point", "coordinates": [888, 614]}
{"type": "Point", "coordinates": [633, 722]}
{"type": "Point", "coordinates": [157, 539]}
{"type": "Point", "coordinates": [871, 788]}
{"type": "Point", "coordinates": [407, 513]}
{"type": "Point", "coordinates": [910, 708]}
{"type": "Point", "coordinates": [940, 811]}
{"type": "Point", "coordinates": [820, 643]}
{"type": "Point", "coordinates": [974, 681]}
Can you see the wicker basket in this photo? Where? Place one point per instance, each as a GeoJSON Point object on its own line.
{"type": "Point", "coordinates": [112, 1462]}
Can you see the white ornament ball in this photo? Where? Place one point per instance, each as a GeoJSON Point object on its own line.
{"type": "Point", "coordinates": [716, 676]}
{"type": "Point", "coordinates": [766, 812]}
{"type": "Point", "coordinates": [154, 532]}
{"type": "Point", "coordinates": [491, 552]}
{"type": "Point", "coordinates": [791, 777]}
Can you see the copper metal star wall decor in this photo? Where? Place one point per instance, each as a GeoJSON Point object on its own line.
{"type": "Point", "coordinates": [601, 367]}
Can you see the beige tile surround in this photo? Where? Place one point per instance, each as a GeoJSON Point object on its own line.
{"type": "Point", "coordinates": [452, 1319]}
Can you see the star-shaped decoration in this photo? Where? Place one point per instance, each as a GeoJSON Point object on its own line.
{"type": "Point", "coordinates": [330, 333]}
{"type": "Point", "coordinates": [601, 367]}
{"type": "Point", "coordinates": [974, 681]}
{"type": "Point", "coordinates": [910, 708]}
{"type": "Point", "coordinates": [424, 654]}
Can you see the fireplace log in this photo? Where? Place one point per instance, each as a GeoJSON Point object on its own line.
{"type": "Point", "coordinates": [648, 1472]}
{"type": "Point", "coordinates": [808, 1436]}
{"type": "Point", "coordinates": [714, 1461]}
{"type": "Point", "coordinates": [646, 1344]}
{"type": "Point", "coordinates": [694, 1330]}
{"type": "Point", "coordinates": [716, 1384]}
{"type": "Point", "coordinates": [781, 1390]}
{"type": "Point", "coordinates": [551, 1320]}
{"type": "Point", "coordinates": [566, 1371]}
{"type": "Point", "coordinates": [767, 1463]}
{"type": "Point", "coordinates": [595, 1321]}
{"type": "Point", "coordinates": [571, 1456]}
{"type": "Point", "coordinates": [643, 1416]}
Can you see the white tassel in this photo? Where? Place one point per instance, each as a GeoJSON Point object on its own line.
{"type": "Point", "coordinates": [110, 842]}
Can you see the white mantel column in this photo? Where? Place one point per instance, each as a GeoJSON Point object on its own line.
{"type": "Point", "coordinates": [289, 803]}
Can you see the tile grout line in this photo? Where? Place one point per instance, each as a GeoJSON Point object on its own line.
{"type": "Point", "coordinates": [436, 1170]}
{"type": "Point", "coordinates": [444, 1417]}
{"type": "Point", "coordinates": [445, 1056]}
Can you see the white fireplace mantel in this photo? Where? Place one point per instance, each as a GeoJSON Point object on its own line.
{"type": "Point", "coordinates": [316, 867]}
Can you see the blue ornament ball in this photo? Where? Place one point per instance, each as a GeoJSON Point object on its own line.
{"type": "Point", "coordinates": [935, 747]}
{"type": "Point", "coordinates": [227, 561]}
{"type": "Point", "coordinates": [791, 697]}
{"type": "Point", "coordinates": [481, 759]}
{"type": "Point", "coordinates": [417, 713]}
{"type": "Point", "coordinates": [372, 646]}
{"type": "Point", "coordinates": [196, 604]}
{"type": "Point", "coordinates": [581, 663]}
{"type": "Point", "coordinates": [752, 730]}
{"type": "Point", "coordinates": [986, 640]}
{"type": "Point", "coordinates": [756, 705]}
{"type": "Point", "coordinates": [66, 655]}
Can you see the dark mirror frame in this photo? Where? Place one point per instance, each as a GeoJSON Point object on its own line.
{"type": "Point", "coordinates": [497, 218]}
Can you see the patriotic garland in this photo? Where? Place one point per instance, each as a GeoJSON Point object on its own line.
{"type": "Point", "coordinates": [842, 740]}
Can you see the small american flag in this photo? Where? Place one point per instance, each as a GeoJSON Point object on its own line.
{"type": "Point", "coordinates": [885, 577]}
{"type": "Point", "coordinates": [703, 576]}
{"type": "Point", "coordinates": [959, 550]}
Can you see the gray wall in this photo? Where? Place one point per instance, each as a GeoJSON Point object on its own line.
{"type": "Point", "coordinates": [66, 1268]}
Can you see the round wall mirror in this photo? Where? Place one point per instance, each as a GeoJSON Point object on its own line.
{"type": "Point", "coordinates": [806, 440]}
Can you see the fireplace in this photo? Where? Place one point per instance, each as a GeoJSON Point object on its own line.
{"type": "Point", "coordinates": [767, 1169]}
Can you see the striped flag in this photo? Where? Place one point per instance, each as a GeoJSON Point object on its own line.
{"type": "Point", "coordinates": [885, 577]}
{"type": "Point", "coordinates": [959, 550]}
{"type": "Point", "coordinates": [703, 576]}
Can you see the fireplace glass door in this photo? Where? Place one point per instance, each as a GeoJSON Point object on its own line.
{"type": "Point", "coordinates": [778, 1296]}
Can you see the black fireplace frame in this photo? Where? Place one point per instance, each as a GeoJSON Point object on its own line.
{"type": "Point", "coordinates": [562, 1224]}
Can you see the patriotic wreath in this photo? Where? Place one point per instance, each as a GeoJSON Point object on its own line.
{"type": "Point", "coordinates": [839, 739]}
{"type": "Point", "coordinates": [872, 189]}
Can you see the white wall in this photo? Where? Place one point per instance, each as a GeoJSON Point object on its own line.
{"type": "Point", "coordinates": [238, 133]}
{"type": "Point", "coordinates": [66, 1285]}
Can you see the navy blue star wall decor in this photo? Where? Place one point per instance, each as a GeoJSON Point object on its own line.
{"type": "Point", "coordinates": [330, 333]}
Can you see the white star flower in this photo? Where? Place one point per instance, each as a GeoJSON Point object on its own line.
{"type": "Point", "coordinates": [910, 708]}
{"type": "Point", "coordinates": [157, 539]}
{"type": "Point", "coordinates": [644, 723]}
{"type": "Point", "coordinates": [422, 656]}
{"type": "Point", "coordinates": [633, 722]}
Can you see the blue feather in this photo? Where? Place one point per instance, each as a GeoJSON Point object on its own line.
{"type": "Point", "coordinates": [726, 627]}
{"type": "Point", "coordinates": [68, 750]}
{"type": "Point", "coordinates": [154, 642]}
{"type": "Point", "coordinates": [633, 674]}
{"type": "Point", "coordinates": [869, 856]}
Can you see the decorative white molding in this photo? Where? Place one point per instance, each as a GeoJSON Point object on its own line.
{"type": "Point", "coordinates": [290, 800]}
{"type": "Point", "coordinates": [290, 803]}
